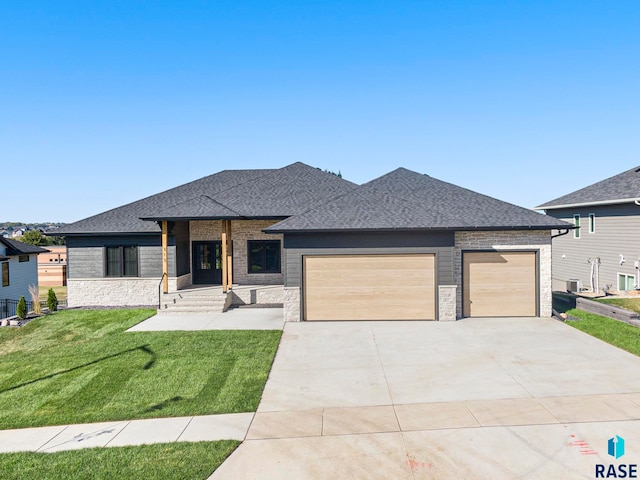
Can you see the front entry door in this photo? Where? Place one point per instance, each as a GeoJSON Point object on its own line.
{"type": "Point", "coordinates": [207, 263]}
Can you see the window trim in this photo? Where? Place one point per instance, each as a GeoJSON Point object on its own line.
{"type": "Point", "coordinates": [626, 280]}
{"type": "Point", "coordinates": [264, 241]}
{"type": "Point", "coordinates": [6, 271]}
{"type": "Point", "coordinates": [576, 223]}
{"type": "Point", "coordinates": [121, 261]}
{"type": "Point", "coordinates": [592, 223]}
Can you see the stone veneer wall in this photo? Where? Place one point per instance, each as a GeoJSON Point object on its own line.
{"type": "Point", "coordinates": [241, 231]}
{"type": "Point", "coordinates": [508, 240]}
{"type": "Point", "coordinates": [292, 304]}
{"type": "Point", "coordinates": [120, 291]}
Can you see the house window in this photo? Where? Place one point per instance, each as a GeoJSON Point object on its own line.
{"type": "Point", "coordinates": [264, 256]}
{"type": "Point", "coordinates": [592, 223]}
{"type": "Point", "coordinates": [122, 261]}
{"type": "Point", "coordinates": [626, 282]}
{"type": "Point", "coordinates": [576, 222]}
{"type": "Point", "coordinates": [5, 274]}
{"type": "Point", "coordinates": [23, 258]}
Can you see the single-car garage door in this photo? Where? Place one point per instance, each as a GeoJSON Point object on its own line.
{"type": "Point", "coordinates": [499, 284]}
{"type": "Point", "coordinates": [369, 287]}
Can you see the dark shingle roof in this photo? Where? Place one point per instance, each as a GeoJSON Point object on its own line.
{"type": "Point", "coordinates": [406, 200]}
{"type": "Point", "coordinates": [263, 193]}
{"type": "Point", "coordinates": [15, 247]}
{"type": "Point", "coordinates": [621, 188]}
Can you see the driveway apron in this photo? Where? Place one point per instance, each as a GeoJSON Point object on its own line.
{"type": "Point", "coordinates": [478, 398]}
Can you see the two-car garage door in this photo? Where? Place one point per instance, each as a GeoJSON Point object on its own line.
{"type": "Point", "coordinates": [369, 287]}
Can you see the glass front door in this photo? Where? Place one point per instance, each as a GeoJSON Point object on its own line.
{"type": "Point", "coordinates": [207, 263]}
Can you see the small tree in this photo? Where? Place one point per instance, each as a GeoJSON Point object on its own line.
{"type": "Point", "coordinates": [52, 300]}
{"type": "Point", "coordinates": [21, 310]}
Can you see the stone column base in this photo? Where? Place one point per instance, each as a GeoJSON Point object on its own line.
{"type": "Point", "coordinates": [447, 303]}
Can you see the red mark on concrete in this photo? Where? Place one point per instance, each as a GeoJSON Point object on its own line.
{"type": "Point", "coordinates": [415, 465]}
{"type": "Point", "coordinates": [583, 447]}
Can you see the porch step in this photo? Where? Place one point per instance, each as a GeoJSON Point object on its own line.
{"type": "Point", "coordinates": [194, 301]}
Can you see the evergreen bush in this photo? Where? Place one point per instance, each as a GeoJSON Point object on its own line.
{"type": "Point", "coordinates": [52, 300]}
{"type": "Point", "coordinates": [21, 309]}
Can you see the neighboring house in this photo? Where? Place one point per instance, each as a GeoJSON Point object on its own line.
{"type": "Point", "coordinates": [403, 246]}
{"type": "Point", "coordinates": [603, 253]}
{"type": "Point", "coordinates": [19, 265]}
{"type": "Point", "coordinates": [52, 266]}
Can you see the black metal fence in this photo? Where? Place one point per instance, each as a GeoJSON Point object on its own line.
{"type": "Point", "coordinates": [8, 307]}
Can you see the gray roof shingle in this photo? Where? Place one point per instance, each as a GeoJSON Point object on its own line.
{"type": "Point", "coordinates": [621, 188]}
{"type": "Point", "coordinates": [406, 200]}
{"type": "Point", "coordinates": [260, 193]}
{"type": "Point", "coordinates": [15, 247]}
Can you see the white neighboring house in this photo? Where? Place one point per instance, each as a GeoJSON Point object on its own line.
{"type": "Point", "coordinates": [19, 268]}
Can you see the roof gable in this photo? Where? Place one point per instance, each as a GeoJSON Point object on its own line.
{"type": "Point", "coordinates": [621, 188]}
{"type": "Point", "coordinates": [406, 200]}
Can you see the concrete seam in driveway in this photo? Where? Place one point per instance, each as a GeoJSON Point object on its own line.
{"type": "Point", "coordinates": [384, 373]}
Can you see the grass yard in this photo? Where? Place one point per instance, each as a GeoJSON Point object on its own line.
{"type": "Point", "coordinates": [168, 461]}
{"type": "Point", "coordinates": [632, 304]}
{"type": "Point", "coordinates": [611, 331]}
{"type": "Point", "coordinates": [79, 366]}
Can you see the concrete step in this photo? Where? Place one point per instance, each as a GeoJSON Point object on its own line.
{"type": "Point", "coordinates": [189, 310]}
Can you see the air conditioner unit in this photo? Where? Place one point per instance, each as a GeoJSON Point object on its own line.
{"type": "Point", "coordinates": [573, 285]}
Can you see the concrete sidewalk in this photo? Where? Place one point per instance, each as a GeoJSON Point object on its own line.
{"type": "Point", "coordinates": [233, 319]}
{"type": "Point", "coordinates": [231, 426]}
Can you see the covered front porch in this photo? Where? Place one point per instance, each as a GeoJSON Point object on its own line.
{"type": "Point", "coordinates": [220, 262]}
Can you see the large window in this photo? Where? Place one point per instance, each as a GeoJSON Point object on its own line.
{"type": "Point", "coordinates": [122, 261]}
{"type": "Point", "coordinates": [264, 256]}
{"type": "Point", "coordinates": [5, 274]}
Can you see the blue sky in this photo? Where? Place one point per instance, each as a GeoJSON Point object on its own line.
{"type": "Point", "coordinates": [106, 102]}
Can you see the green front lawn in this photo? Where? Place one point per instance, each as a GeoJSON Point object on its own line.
{"type": "Point", "coordinates": [166, 461]}
{"type": "Point", "coordinates": [79, 366]}
{"type": "Point", "coordinates": [612, 331]}
{"type": "Point", "coordinates": [632, 304]}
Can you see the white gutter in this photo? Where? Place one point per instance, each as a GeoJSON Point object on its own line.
{"type": "Point", "coordinates": [635, 200]}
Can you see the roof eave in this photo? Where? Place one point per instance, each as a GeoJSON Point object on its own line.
{"type": "Point", "coordinates": [588, 204]}
{"type": "Point", "coordinates": [427, 229]}
{"type": "Point", "coordinates": [214, 217]}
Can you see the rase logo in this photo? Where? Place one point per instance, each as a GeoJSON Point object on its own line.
{"type": "Point", "coordinates": [615, 448]}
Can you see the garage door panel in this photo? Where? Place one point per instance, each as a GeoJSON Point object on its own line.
{"type": "Point", "coordinates": [499, 284]}
{"type": "Point", "coordinates": [369, 287]}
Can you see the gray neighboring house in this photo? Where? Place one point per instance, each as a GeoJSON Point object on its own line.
{"type": "Point", "coordinates": [404, 246]}
{"type": "Point", "coordinates": [19, 265]}
{"type": "Point", "coordinates": [602, 253]}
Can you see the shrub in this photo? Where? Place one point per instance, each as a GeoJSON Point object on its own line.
{"type": "Point", "coordinates": [52, 300]}
{"type": "Point", "coordinates": [21, 309]}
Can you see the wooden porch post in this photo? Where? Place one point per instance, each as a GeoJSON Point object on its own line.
{"type": "Point", "coordinates": [224, 256]}
{"type": "Point", "coordinates": [165, 256]}
{"type": "Point", "coordinates": [229, 258]}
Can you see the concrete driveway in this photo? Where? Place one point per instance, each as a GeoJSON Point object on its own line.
{"type": "Point", "coordinates": [478, 398]}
